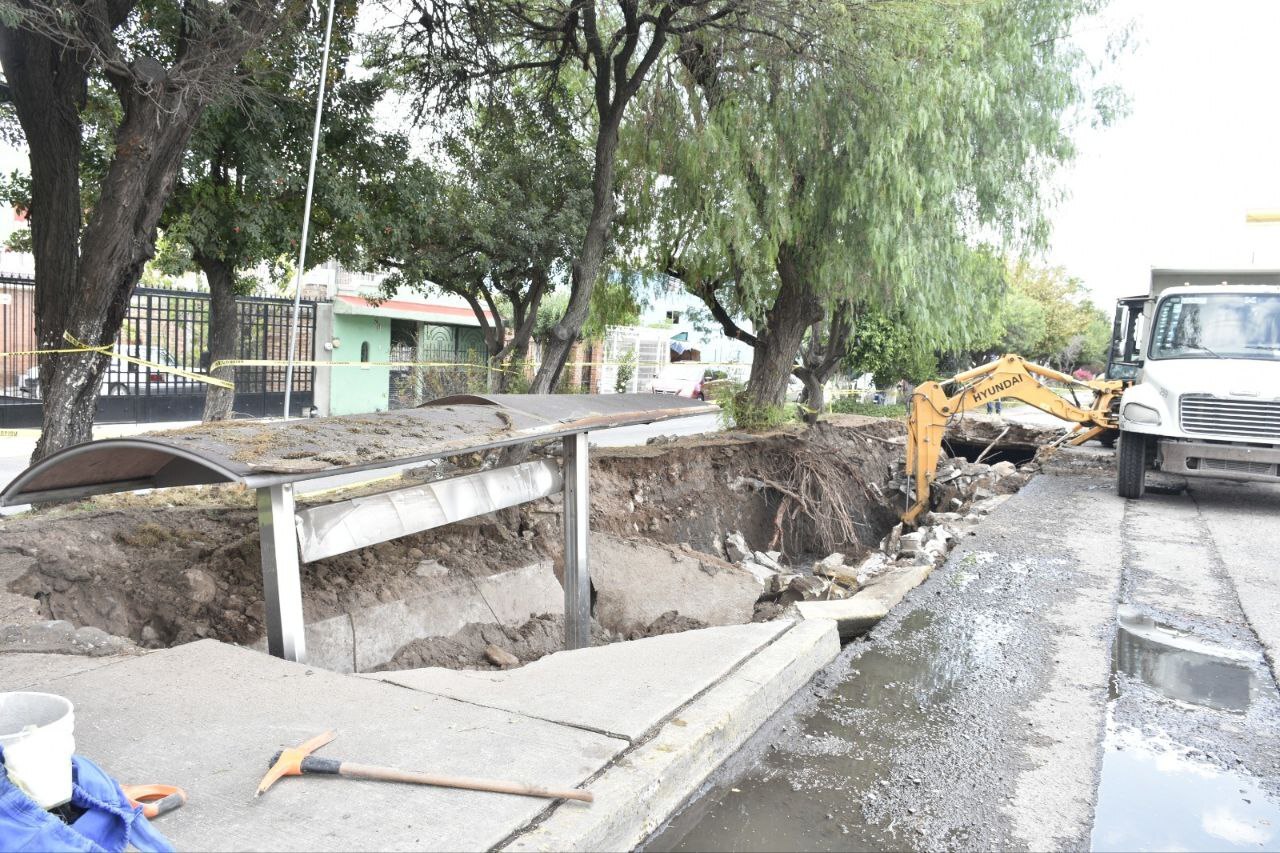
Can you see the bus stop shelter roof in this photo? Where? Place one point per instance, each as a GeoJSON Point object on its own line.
{"type": "Point", "coordinates": [268, 453]}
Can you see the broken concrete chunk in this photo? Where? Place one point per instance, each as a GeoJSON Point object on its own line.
{"type": "Point", "coordinates": [911, 543]}
{"type": "Point", "coordinates": [892, 542]}
{"type": "Point", "coordinates": [763, 558]}
{"type": "Point", "coordinates": [1003, 469]}
{"type": "Point", "coordinates": [828, 563]}
{"type": "Point", "coordinates": [805, 588]}
{"type": "Point", "coordinates": [852, 615]}
{"type": "Point", "coordinates": [735, 547]}
{"type": "Point", "coordinates": [759, 572]}
{"type": "Point", "coordinates": [499, 656]}
{"type": "Point", "coordinates": [637, 582]}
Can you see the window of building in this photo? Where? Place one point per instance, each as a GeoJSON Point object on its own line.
{"type": "Point", "coordinates": [673, 317]}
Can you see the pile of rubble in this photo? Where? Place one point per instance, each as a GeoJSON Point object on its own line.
{"type": "Point", "coordinates": [959, 485]}
{"type": "Point", "coordinates": [968, 490]}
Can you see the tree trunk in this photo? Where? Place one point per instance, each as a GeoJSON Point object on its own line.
{"type": "Point", "coordinates": [84, 277]}
{"type": "Point", "coordinates": [555, 350]}
{"type": "Point", "coordinates": [794, 309]}
{"type": "Point", "coordinates": [224, 334]}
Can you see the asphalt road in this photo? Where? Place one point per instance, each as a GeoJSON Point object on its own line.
{"type": "Point", "coordinates": [1084, 672]}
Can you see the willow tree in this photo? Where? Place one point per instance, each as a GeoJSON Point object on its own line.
{"type": "Point", "coordinates": [163, 62]}
{"type": "Point", "coordinates": [864, 167]}
{"type": "Point", "coordinates": [492, 218]}
{"type": "Point", "coordinates": [447, 45]}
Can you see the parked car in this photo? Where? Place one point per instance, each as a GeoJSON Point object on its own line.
{"type": "Point", "coordinates": [122, 379]}
{"type": "Point", "coordinates": [682, 379]}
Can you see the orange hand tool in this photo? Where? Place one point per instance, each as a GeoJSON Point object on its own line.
{"type": "Point", "coordinates": [298, 760]}
{"type": "Point", "coordinates": [155, 800]}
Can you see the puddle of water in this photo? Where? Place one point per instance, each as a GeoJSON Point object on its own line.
{"type": "Point", "coordinates": [810, 795]}
{"type": "Point", "coordinates": [1153, 797]}
{"type": "Point", "coordinates": [1181, 667]}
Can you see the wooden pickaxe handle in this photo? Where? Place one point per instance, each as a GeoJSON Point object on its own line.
{"type": "Point", "coordinates": [335, 767]}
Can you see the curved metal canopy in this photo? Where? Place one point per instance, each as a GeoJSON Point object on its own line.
{"type": "Point", "coordinates": [266, 453]}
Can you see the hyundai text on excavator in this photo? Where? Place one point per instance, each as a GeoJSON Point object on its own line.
{"type": "Point", "coordinates": [1008, 377]}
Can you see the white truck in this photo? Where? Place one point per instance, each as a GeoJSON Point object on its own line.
{"type": "Point", "coordinates": [1203, 352]}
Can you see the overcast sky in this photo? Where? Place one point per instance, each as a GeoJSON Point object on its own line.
{"type": "Point", "coordinates": [1170, 184]}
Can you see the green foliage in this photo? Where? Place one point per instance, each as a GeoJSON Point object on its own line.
{"type": "Point", "coordinates": [612, 304]}
{"type": "Point", "coordinates": [870, 159]}
{"type": "Point", "coordinates": [850, 406]}
{"type": "Point", "coordinates": [739, 411]}
{"type": "Point", "coordinates": [239, 199]}
{"type": "Point", "coordinates": [495, 214]}
{"type": "Point", "coordinates": [626, 370]}
{"type": "Point", "coordinates": [890, 349]}
{"type": "Point", "coordinates": [1046, 317]}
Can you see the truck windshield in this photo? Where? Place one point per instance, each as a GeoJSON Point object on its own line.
{"type": "Point", "coordinates": [1218, 325]}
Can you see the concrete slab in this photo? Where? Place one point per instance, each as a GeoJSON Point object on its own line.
{"type": "Point", "coordinates": [861, 611]}
{"type": "Point", "coordinates": [208, 717]}
{"type": "Point", "coordinates": [624, 689]}
{"type": "Point", "coordinates": [31, 671]}
{"type": "Point", "coordinates": [852, 615]}
{"type": "Point", "coordinates": [360, 640]}
{"type": "Point", "coordinates": [659, 775]}
{"type": "Point", "coordinates": [637, 582]}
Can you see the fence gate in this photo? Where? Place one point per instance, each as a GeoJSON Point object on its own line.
{"type": "Point", "coordinates": [164, 327]}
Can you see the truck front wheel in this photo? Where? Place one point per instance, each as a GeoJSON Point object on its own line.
{"type": "Point", "coordinates": [1131, 467]}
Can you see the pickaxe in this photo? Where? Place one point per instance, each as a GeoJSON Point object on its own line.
{"type": "Point", "coordinates": [298, 760]}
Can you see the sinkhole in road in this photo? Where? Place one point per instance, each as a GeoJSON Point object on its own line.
{"type": "Point", "coordinates": [1018, 454]}
{"type": "Point", "coordinates": [1157, 793]}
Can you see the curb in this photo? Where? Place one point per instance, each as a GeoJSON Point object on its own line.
{"type": "Point", "coordinates": [648, 783]}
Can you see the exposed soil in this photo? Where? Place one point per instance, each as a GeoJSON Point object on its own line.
{"type": "Point", "coordinates": [540, 636]}
{"type": "Point", "coordinates": [182, 564]}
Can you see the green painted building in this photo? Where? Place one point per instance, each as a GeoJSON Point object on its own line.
{"type": "Point", "coordinates": [429, 335]}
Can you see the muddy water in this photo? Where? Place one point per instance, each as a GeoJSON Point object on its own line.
{"type": "Point", "coordinates": [1156, 792]}
{"type": "Point", "coordinates": [1155, 796]}
{"type": "Point", "coordinates": [810, 796]}
{"type": "Point", "coordinates": [830, 778]}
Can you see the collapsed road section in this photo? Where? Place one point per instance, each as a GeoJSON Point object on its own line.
{"type": "Point", "coordinates": [706, 553]}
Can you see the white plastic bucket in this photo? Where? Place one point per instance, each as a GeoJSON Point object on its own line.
{"type": "Point", "coordinates": [36, 734]}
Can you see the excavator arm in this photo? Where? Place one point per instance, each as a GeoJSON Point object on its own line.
{"type": "Point", "coordinates": [1008, 377]}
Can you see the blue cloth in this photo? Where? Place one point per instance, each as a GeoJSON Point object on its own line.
{"type": "Point", "coordinates": [109, 822]}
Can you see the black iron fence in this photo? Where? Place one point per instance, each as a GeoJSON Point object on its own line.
{"type": "Point", "coordinates": [169, 328]}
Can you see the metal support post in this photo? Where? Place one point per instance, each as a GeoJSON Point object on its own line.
{"type": "Point", "coordinates": [281, 580]}
{"type": "Point", "coordinates": [577, 574]}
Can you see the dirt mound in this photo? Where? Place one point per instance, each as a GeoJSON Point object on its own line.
{"type": "Point", "coordinates": [540, 636]}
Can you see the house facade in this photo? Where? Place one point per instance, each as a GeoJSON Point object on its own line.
{"type": "Point", "coordinates": [355, 323]}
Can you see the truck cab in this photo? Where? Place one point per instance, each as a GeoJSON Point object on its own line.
{"type": "Point", "coordinates": [1205, 359]}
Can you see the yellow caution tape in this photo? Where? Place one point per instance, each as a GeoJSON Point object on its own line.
{"type": "Point", "coordinates": [268, 362]}
{"type": "Point", "coordinates": [109, 349]}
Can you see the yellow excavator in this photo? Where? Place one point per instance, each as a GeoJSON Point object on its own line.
{"type": "Point", "coordinates": [1008, 377]}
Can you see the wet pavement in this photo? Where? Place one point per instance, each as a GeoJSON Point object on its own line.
{"type": "Point", "coordinates": [1080, 674]}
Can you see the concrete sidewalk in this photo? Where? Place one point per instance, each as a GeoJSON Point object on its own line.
{"type": "Point", "coordinates": [642, 724]}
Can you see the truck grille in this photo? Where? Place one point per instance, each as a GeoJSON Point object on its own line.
{"type": "Point", "coordinates": [1239, 466]}
{"type": "Point", "coordinates": [1208, 415]}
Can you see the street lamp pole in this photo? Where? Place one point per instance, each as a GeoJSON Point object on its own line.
{"type": "Point", "coordinates": [306, 214]}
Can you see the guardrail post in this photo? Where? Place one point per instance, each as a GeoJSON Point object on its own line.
{"type": "Point", "coordinates": [577, 574]}
{"type": "Point", "coordinates": [281, 580]}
